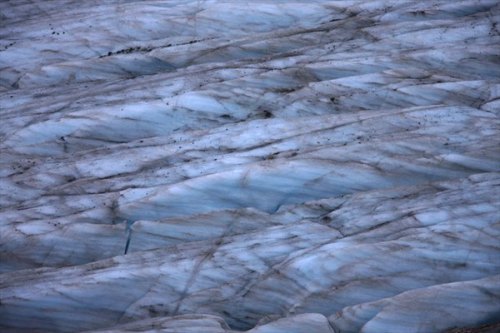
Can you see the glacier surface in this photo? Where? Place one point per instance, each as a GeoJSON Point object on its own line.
{"type": "Point", "coordinates": [263, 167]}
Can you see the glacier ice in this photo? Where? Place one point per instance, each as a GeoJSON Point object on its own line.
{"type": "Point", "coordinates": [273, 166]}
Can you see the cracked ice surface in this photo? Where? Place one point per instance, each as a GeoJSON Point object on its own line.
{"type": "Point", "coordinates": [279, 166]}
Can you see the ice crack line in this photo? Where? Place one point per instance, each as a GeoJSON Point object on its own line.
{"type": "Point", "coordinates": [129, 235]}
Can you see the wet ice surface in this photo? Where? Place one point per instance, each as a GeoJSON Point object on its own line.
{"type": "Point", "coordinates": [280, 166]}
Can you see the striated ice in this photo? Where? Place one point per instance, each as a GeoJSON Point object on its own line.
{"type": "Point", "coordinates": [227, 166]}
{"type": "Point", "coordinates": [423, 310]}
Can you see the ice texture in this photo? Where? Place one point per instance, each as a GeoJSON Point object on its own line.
{"type": "Point", "coordinates": [263, 167]}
